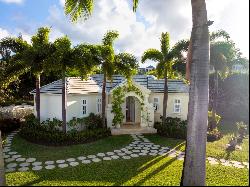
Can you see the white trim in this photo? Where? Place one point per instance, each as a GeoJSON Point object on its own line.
{"type": "Point", "coordinates": [177, 104]}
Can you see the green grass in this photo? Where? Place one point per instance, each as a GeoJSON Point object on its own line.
{"type": "Point", "coordinates": [216, 149]}
{"type": "Point", "coordinates": [146, 170]}
{"type": "Point", "coordinates": [44, 153]}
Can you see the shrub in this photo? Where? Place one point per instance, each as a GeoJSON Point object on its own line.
{"type": "Point", "coordinates": [242, 128]}
{"type": "Point", "coordinates": [48, 134]}
{"type": "Point", "coordinates": [172, 128]}
{"type": "Point", "coordinates": [214, 135]}
{"type": "Point", "coordinates": [93, 121]}
{"type": "Point", "coordinates": [8, 125]}
{"type": "Point", "coordinates": [211, 123]}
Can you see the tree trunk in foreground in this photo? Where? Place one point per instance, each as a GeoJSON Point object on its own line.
{"type": "Point", "coordinates": [104, 100]}
{"type": "Point", "coordinates": [2, 172]}
{"type": "Point", "coordinates": [195, 158]}
{"type": "Point", "coordinates": [38, 97]}
{"type": "Point", "coordinates": [165, 98]}
{"type": "Point", "coordinates": [64, 101]}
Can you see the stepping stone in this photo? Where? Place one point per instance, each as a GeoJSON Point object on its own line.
{"type": "Point", "coordinates": [126, 157]}
{"type": "Point", "coordinates": [162, 153]}
{"type": "Point", "coordinates": [50, 167]}
{"type": "Point", "coordinates": [16, 156]}
{"type": "Point", "coordinates": [96, 160]}
{"type": "Point", "coordinates": [7, 145]}
{"type": "Point", "coordinates": [11, 165]}
{"type": "Point", "coordinates": [172, 155]}
{"type": "Point", "coordinates": [110, 153]}
{"type": "Point", "coordinates": [10, 169]}
{"type": "Point", "coordinates": [235, 162]}
{"type": "Point", "coordinates": [10, 160]}
{"type": "Point", "coordinates": [142, 154]}
{"type": "Point", "coordinates": [128, 147]}
{"type": "Point", "coordinates": [153, 154]}
{"type": "Point", "coordinates": [226, 164]}
{"type": "Point", "coordinates": [153, 151]}
{"type": "Point", "coordinates": [134, 155]}
{"type": "Point", "coordinates": [25, 164]}
{"type": "Point", "coordinates": [6, 156]}
{"type": "Point", "coordinates": [49, 162]}
{"type": "Point", "coordinates": [128, 152]}
{"type": "Point", "coordinates": [81, 157]}
{"type": "Point", "coordinates": [121, 154]}
{"type": "Point", "coordinates": [12, 153]}
{"type": "Point", "coordinates": [245, 163]}
{"type": "Point", "coordinates": [117, 151]}
{"type": "Point", "coordinates": [137, 147]}
{"type": "Point", "coordinates": [20, 159]}
{"type": "Point", "coordinates": [73, 163]}
{"type": "Point", "coordinates": [212, 162]}
{"type": "Point", "coordinates": [154, 147]}
{"type": "Point", "coordinates": [180, 158]}
{"type": "Point", "coordinates": [91, 156]}
{"type": "Point", "coordinates": [101, 154]}
{"type": "Point", "coordinates": [238, 166]}
{"type": "Point", "coordinates": [114, 156]}
{"type": "Point", "coordinates": [146, 148]}
{"type": "Point", "coordinates": [71, 159]}
{"type": "Point", "coordinates": [135, 151]}
{"type": "Point", "coordinates": [124, 149]}
{"type": "Point", "coordinates": [86, 161]}
{"type": "Point", "coordinates": [222, 160]}
{"type": "Point", "coordinates": [107, 158]}
{"type": "Point", "coordinates": [60, 161]}
{"type": "Point", "coordinates": [37, 168]}
{"type": "Point", "coordinates": [36, 163]}
{"type": "Point", "coordinates": [63, 165]}
{"type": "Point", "coordinates": [6, 150]}
{"type": "Point", "coordinates": [31, 160]}
{"type": "Point", "coordinates": [23, 169]}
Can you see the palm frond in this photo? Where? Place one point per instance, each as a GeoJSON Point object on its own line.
{"type": "Point", "coordinates": [78, 8]}
{"type": "Point", "coordinates": [152, 54]}
{"type": "Point", "coordinates": [165, 44]}
{"type": "Point", "coordinates": [135, 5]}
{"type": "Point", "coordinates": [110, 37]}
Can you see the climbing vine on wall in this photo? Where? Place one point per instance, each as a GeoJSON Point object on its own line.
{"type": "Point", "coordinates": [118, 97]}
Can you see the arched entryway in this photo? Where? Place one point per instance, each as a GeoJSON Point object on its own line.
{"type": "Point", "coordinates": [132, 111]}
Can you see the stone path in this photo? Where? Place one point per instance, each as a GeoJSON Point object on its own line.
{"type": "Point", "coordinates": [140, 146]}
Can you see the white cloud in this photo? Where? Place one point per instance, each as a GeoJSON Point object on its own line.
{"type": "Point", "coordinates": [3, 33]}
{"type": "Point", "coordinates": [13, 1]}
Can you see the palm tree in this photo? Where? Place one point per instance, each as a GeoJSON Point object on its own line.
{"type": "Point", "coordinates": [194, 172]}
{"type": "Point", "coordinates": [59, 61]}
{"type": "Point", "coordinates": [166, 58]}
{"type": "Point", "coordinates": [107, 66]}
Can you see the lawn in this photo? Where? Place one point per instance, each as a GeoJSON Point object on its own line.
{"type": "Point", "coordinates": [146, 170]}
{"type": "Point", "coordinates": [44, 153]}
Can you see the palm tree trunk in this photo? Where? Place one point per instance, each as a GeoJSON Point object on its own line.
{"type": "Point", "coordinates": [214, 100]}
{"type": "Point", "coordinates": [195, 158]}
{"type": "Point", "coordinates": [64, 101]}
{"type": "Point", "coordinates": [165, 98]}
{"type": "Point", "coordinates": [104, 100]}
{"type": "Point", "coordinates": [38, 96]}
{"type": "Point", "coordinates": [2, 173]}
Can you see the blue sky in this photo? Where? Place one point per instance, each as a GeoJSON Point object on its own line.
{"type": "Point", "coordinates": [138, 32]}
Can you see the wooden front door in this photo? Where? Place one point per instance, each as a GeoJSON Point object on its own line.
{"type": "Point", "coordinates": [130, 109]}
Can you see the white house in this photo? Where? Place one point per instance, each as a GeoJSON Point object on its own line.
{"type": "Point", "coordinates": [84, 97]}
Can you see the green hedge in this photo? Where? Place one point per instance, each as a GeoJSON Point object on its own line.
{"type": "Point", "coordinates": [32, 131]}
{"type": "Point", "coordinates": [172, 128]}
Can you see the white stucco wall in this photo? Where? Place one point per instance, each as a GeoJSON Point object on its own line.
{"type": "Point", "coordinates": [184, 98]}
{"type": "Point", "coordinates": [51, 106]}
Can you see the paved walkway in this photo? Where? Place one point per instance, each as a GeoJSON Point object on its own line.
{"type": "Point", "coordinates": [140, 146]}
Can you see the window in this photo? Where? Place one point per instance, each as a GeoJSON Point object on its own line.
{"type": "Point", "coordinates": [84, 106]}
{"type": "Point", "coordinates": [156, 103]}
{"type": "Point", "coordinates": [99, 105]}
{"type": "Point", "coordinates": [177, 106]}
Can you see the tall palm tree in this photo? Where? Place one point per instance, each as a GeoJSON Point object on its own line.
{"type": "Point", "coordinates": [194, 172]}
{"type": "Point", "coordinates": [107, 66]}
{"type": "Point", "coordinates": [166, 58]}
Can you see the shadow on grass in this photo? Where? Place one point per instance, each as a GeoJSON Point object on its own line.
{"type": "Point", "coordinates": [115, 172]}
